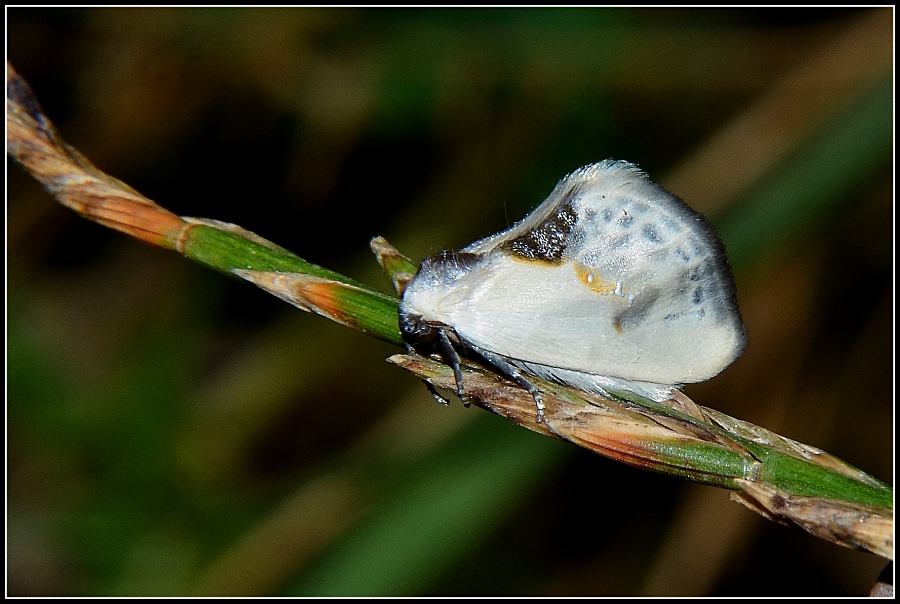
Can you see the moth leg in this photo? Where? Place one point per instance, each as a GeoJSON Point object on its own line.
{"type": "Point", "coordinates": [452, 357]}
{"type": "Point", "coordinates": [437, 395]}
{"type": "Point", "coordinates": [512, 372]}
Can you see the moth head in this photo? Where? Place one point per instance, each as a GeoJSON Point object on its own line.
{"type": "Point", "coordinates": [416, 331]}
{"type": "Point", "coordinates": [422, 335]}
{"type": "Point", "coordinates": [423, 308]}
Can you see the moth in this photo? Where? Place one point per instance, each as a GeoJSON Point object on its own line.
{"type": "Point", "coordinates": [611, 284]}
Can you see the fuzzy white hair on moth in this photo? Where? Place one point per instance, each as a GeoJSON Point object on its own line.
{"type": "Point", "coordinates": [611, 284]}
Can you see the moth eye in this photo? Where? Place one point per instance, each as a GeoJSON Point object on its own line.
{"type": "Point", "coordinates": [416, 330]}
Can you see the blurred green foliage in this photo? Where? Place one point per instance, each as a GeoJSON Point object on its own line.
{"type": "Point", "coordinates": [170, 430]}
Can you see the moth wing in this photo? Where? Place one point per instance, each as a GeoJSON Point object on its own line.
{"type": "Point", "coordinates": [611, 275]}
{"type": "Point", "coordinates": [546, 315]}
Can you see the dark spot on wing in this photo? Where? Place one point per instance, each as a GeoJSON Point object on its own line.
{"type": "Point", "coordinates": [650, 234]}
{"type": "Point", "coordinates": [637, 311]}
{"type": "Point", "coordinates": [548, 240]}
{"type": "Point", "coordinates": [625, 221]}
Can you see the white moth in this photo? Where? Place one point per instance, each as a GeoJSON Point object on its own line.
{"type": "Point", "coordinates": [611, 284]}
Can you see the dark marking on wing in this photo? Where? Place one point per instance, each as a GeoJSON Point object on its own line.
{"type": "Point", "coordinates": [547, 241]}
{"type": "Point", "coordinates": [651, 234]}
{"type": "Point", "coordinates": [634, 315]}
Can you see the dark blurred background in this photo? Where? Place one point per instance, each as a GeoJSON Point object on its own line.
{"type": "Point", "coordinates": [172, 431]}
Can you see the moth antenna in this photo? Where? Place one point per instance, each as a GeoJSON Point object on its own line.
{"type": "Point", "coordinates": [452, 356]}
{"type": "Point", "coordinates": [512, 372]}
